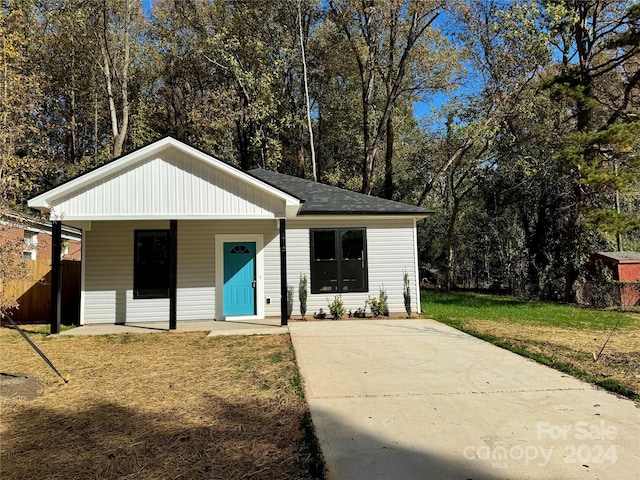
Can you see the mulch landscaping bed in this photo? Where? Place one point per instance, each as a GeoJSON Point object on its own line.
{"type": "Point", "coordinates": [165, 406]}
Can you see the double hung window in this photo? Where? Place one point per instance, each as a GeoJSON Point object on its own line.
{"type": "Point", "coordinates": [339, 260]}
{"type": "Point", "coordinates": [151, 264]}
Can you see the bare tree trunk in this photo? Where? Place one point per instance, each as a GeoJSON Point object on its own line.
{"type": "Point", "coordinates": [369, 150]}
{"type": "Point", "coordinates": [388, 154]}
{"type": "Point", "coordinates": [388, 161]}
{"type": "Point", "coordinates": [120, 126]}
{"type": "Point", "coordinates": [306, 97]}
{"type": "Point", "coordinates": [453, 158]}
{"type": "Point", "coordinates": [448, 273]}
{"type": "Point", "coordinates": [95, 125]}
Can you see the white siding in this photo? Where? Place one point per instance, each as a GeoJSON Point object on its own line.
{"type": "Point", "coordinates": [272, 275]}
{"type": "Point", "coordinates": [172, 185]}
{"type": "Point", "coordinates": [108, 283]}
{"type": "Point", "coordinates": [197, 259]}
{"type": "Point", "coordinates": [390, 252]}
{"type": "Point", "coordinates": [108, 261]}
{"type": "Point", "coordinates": [196, 295]}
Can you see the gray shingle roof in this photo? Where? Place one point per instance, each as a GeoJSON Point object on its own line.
{"type": "Point", "coordinates": [320, 199]}
{"type": "Point", "coordinates": [621, 256]}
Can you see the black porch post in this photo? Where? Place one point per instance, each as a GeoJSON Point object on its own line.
{"type": "Point", "coordinates": [56, 281]}
{"type": "Point", "coordinates": [283, 273]}
{"type": "Point", "coordinates": [173, 273]}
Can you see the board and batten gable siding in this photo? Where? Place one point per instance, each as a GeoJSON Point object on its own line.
{"type": "Point", "coordinates": [166, 185]}
{"type": "Point", "coordinates": [109, 256]}
{"type": "Point", "coordinates": [391, 251]}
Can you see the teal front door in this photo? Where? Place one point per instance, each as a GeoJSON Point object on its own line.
{"type": "Point", "coordinates": [239, 278]}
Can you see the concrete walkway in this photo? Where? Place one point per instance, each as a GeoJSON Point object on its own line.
{"type": "Point", "coordinates": [258, 327]}
{"type": "Point", "coordinates": [415, 399]}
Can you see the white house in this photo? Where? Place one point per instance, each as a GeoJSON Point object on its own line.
{"type": "Point", "coordinates": [169, 232]}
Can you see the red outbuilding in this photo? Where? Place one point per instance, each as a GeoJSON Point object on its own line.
{"type": "Point", "coordinates": [625, 267]}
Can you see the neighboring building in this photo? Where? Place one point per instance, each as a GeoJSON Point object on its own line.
{"type": "Point", "coordinates": [170, 232]}
{"type": "Point", "coordinates": [36, 235]}
{"type": "Point", "coordinates": [624, 267]}
{"type": "Point", "coordinates": [33, 292]}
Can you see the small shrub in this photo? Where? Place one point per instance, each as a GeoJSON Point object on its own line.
{"type": "Point", "coordinates": [302, 295]}
{"type": "Point", "coordinates": [379, 305]}
{"type": "Point", "coordinates": [360, 312]}
{"type": "Point", "coordinates": [336, 307]}
{"type": "Point", "coordinates": [407, 294]}
{"type": "Point", "coordinates": [289, 300]}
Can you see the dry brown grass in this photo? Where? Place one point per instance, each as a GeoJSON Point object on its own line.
{"type": "Point", "coordinates": [576, 347]}
{"type": "Point", "coordinates": [165, 406]}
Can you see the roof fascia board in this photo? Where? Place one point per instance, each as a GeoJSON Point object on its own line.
{"type": "Point", "coordinates": [38, 226]}
{"type": "Point", "coordinates": [113, 218]}
{"type": "Point", "coordinates": [359, 216]}
{"type": "Point", "coordinates": [47, 199]}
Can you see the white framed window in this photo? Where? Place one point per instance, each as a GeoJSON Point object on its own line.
{"type": "Point", "coordinates": [30, 245]}
{"type": "Point", "coordinates": [339, 260]}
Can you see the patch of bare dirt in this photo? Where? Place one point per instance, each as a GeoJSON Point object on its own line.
{"type": "Point", "coordinates": [19, 386]}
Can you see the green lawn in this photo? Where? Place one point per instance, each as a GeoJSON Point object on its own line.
{"type": "Point", "coordinates": [456, 307]}
{"type": "Point", "coordinates": [579, 341]}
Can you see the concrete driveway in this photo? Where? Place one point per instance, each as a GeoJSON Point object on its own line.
{"type": "Point", "coordinates": [415, 399]}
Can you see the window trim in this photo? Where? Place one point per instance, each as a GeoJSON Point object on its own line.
{"type": "Point", "coordinates": [136, 294]}
{"type": "Point", "coordinates": [30, 246]}
{"type": "Point", "coordinates": [339, 260]}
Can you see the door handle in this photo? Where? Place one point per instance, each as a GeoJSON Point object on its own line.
{"type": "Point", "coordinates": [253, 285]}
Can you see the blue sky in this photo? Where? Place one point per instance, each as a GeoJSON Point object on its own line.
{"type": "Point", "coordinates": [147, 6]}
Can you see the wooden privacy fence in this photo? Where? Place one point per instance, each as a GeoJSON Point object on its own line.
{"type": "Point", "coordinates": [34, 294]}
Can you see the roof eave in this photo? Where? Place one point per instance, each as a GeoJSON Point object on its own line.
{"type": "Point", "coordinates": [365, 213]}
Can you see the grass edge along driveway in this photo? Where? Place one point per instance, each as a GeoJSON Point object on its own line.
{"type": "Point", "coordinates": [564, 337]}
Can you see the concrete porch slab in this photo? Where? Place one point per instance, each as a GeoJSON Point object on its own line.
{"type": "Point", "coordinates": [268, 326]}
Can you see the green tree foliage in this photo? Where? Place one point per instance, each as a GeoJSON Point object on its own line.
{"type": "Point", "coordinates": [598, 79]}
{"type": "Point", "coordinates": [394, 52]}
{"type": "Point", "coordinates": [479, 127]}
{"type": "Point", "coordinates": [232, 79]}
{"type": "Point", "coordinates": [24, 165]}
{"type": "Point", "coordinates": [531, 162]}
